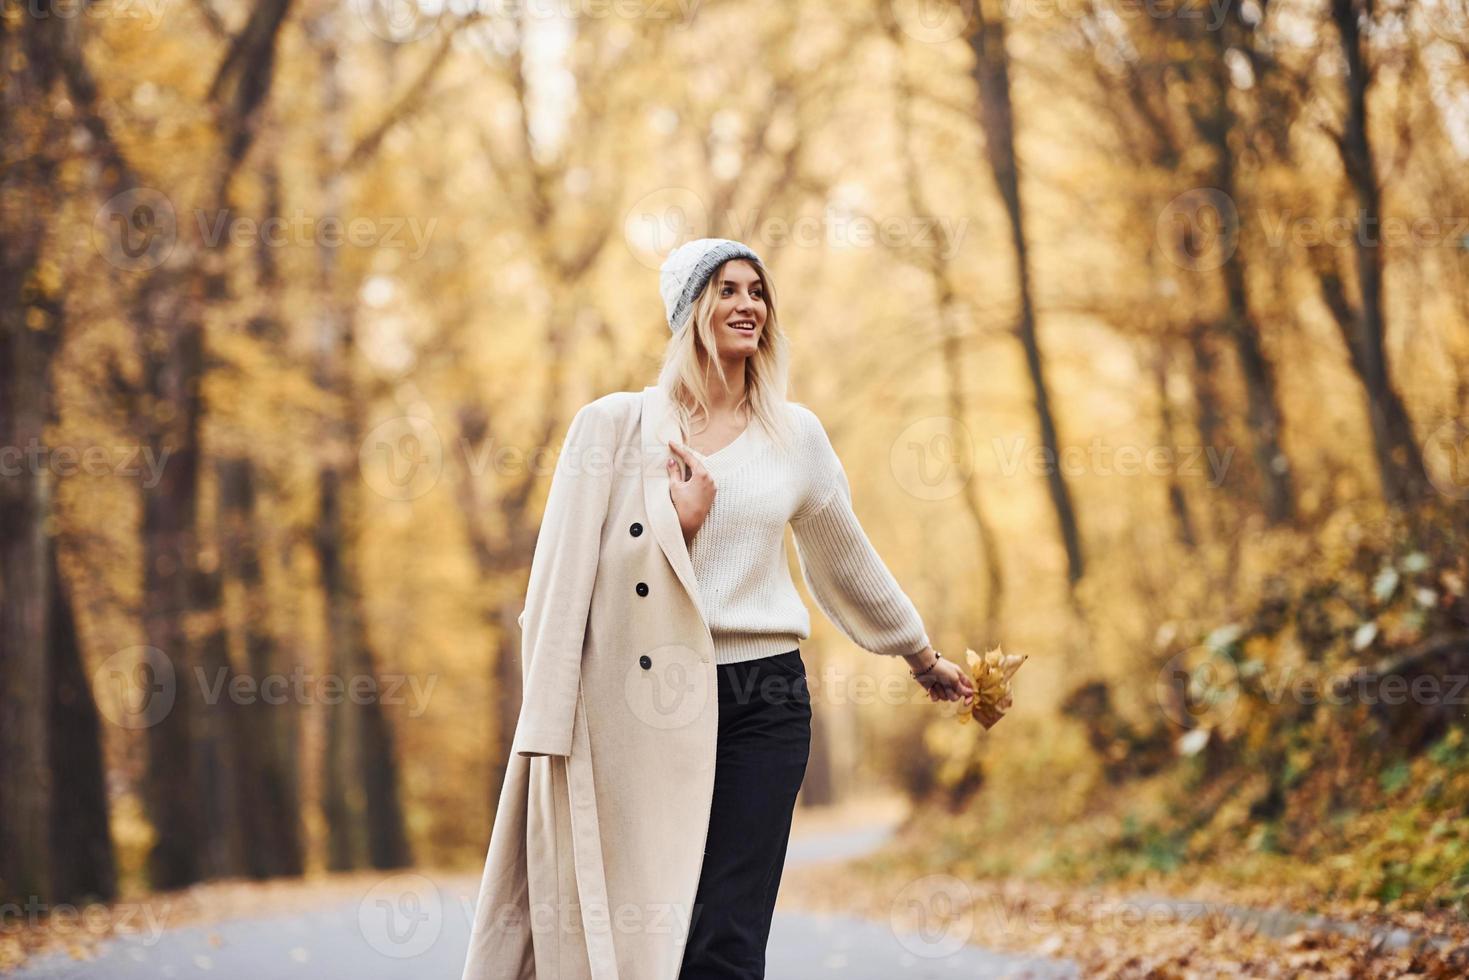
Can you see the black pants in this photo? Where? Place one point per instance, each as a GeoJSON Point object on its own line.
{"type": "Point", "coordinates": [764, 743]}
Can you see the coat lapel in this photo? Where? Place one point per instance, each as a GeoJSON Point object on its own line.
{"type": "Point", "coordinates": [659, 425]}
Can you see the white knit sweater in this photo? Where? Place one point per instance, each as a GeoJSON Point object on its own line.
{"type": "Point", "coordinates": [739, 556]}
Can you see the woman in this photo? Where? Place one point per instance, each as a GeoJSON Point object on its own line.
{"type": "Point", "coordinates": [665, 723]}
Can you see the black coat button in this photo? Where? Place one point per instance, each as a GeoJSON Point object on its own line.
{"type": "Point", "coordinates": [636, 529]}
{"type": "Point", "coordinates": [642, 588]}
{"type": "Point", "coordinates": [645, 662]}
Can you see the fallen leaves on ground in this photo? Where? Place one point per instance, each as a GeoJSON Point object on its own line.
{"type": "Point", "coordinates": [1110, 932]}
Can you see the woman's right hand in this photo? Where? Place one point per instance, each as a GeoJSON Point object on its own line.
{"type": "Point", "coordinates": [692, 496]}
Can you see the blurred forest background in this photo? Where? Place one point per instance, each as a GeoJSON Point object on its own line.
{"type": "Point", "coordinates": [300, 296]}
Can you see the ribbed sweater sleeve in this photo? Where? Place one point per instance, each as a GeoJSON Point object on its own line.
{"type": "Point", "coordinates": [847, 578]}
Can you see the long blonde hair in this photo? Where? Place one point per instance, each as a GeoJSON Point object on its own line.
{"type": "Point", "coordinates": [684, 379]}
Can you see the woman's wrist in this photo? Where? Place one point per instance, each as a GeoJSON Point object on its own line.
{"type": "Point", "coordinates": [922, 660]}
{"type": "Point", "coordinates": [689, 530]}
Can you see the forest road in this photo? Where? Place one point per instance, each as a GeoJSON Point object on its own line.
{"type": "Point", "coordinates": [414, 927]}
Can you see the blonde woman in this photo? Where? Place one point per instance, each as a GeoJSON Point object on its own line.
{"type": "Point", "coordinates": [666, 721]}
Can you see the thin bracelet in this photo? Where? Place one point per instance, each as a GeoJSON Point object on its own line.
{"type": "Point", "coordinates": [936, 658]}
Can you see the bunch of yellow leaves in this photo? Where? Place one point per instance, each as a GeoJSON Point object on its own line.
{"type": "Point", "coordinates": [992, 673]}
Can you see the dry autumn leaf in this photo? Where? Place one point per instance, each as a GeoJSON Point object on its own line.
{"type": "Point", "coordinates": [992, 673]}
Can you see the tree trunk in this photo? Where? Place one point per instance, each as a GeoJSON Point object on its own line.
{"type": "Point", "coordinates": [946, 302]}
{"type": "Point", "coordinates": [171, 350]}
{"type": "Point", "coordinates": [30, 331]}
{"type": "Point", "coordinates": [270, 812]}
{"type": "Point", "coordinates": [25, 588]}
{"type": "Point", "coordinates": [1209, 422]}
{"type": "Point", "coordinates": [992, 74]}
{"type": "Point", "coordinates": [1183, 526]}
{"type": "Point", "coordinates": [269, 776]}
{"type": "Point", "coordinates": [361, 799]}
{"type": "Point", "coordinates": [223, 753]}
{"type": "Point", "coordinates": [341, 805]}
{"type": "Point", "coordinates": [992, 613]}
{"type": "Point", "coordinates": [83, 868]}
{"type": "Point", "coordinates": [1215, 125]}
{"type": "Point", "coordinates": [1399, 462]}
{"type": "Point", "coordinates": [360, 784]}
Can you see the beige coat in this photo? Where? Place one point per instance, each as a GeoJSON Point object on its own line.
{"type": "Point", "coordinates": [599, 836]}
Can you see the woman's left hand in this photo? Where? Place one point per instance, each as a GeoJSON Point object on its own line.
{"type": "Point", "coordinates": [947, 681]}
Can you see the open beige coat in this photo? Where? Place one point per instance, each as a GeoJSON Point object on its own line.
{"type": "Point", "coordinates": [599, 836]}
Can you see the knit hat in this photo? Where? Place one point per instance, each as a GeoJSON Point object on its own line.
{"type": "Point", "coordinates": [688, 268]}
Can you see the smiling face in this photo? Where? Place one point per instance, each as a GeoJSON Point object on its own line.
{"type": "Point", "coordinates": [739, 316]}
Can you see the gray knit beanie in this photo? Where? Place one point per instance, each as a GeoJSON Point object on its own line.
{"type": "Point", "coordinates": [688, 268]}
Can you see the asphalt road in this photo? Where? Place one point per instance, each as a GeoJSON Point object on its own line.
{"type": "Point", "coordinates": [412, 928]}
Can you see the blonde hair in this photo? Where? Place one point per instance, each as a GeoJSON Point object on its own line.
{"type": "Point", "coordinates": [683, 376]}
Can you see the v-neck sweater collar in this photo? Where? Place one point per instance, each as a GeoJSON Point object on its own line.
{"type": "Point", "coordinates": [732, 453]}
